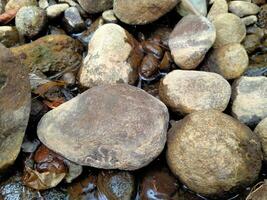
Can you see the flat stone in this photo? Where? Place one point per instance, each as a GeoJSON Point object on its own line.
{"type": "Point", "coordinates": [95, 6]}
{"type": "Point", "coordinates": [109, 16]}
{"type": "Point", "coordinates": [249, 20]}
{"type": "Point", "coordinates": [15, 99]}
{"type": "Point", "coordinates": [242, 8]}
{"type": "Point", "coordinates": [190, 91]}
{"type": "Point", "coordinates": [250, 99]}
{"type": "Point", "coordinates": [193, 7]}
{"type": "Point", "coordinates": [9, 36]}
{"type": "Point", "coordinates": [110, 126]}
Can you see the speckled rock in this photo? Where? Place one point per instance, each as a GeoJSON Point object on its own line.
{"type": "Point", "coordinates": [17, 4]}
{"type": "Point", "coordinates": [142, 11]}
{"type": "Point", "coordinates": [95, 6]}
{"type": "Point", "coordinates": [259, 191]}
{"type": "Point", "coordinates": [9, 36]}
{"type": "Point", "coordinates": [249, 20]}
{"type": "Point", "coordinates": [52, 53]}
{"type": "Point", "coordinates": [217, 8]}
{"type": "Point", "coordinates": [113, 57]}
{"type": "Point", "coordinates": [230, 61]}
{"type": "Point", "coordinates": [261, 131]}
{"type": "Point", "coordinates": [126, 131]}
{"type": "Point", "coordinates": [194, 7]}
{"type": "Point", "coordinates": [229, 29]}
{"type": "Point", "coordinates": [189, 91]}
{"type": "Point", "coordinates": [190, 40]}
{"type": "Point", "coordinates": [250, 99]}
{"type": "Point", "coordinates": [30, 21]}
{"type": "Point", "coordinates": [242, 8]}
{"type": "Point", "coordinates": [213, 153]}
{"type": "Point", "coordinates": [15, 99]}
{"type": "Point", "coordinates": [56, 10]}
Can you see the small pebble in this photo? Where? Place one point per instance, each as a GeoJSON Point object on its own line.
{"type": "Point", "coordinates": [249, 20]}
{"type": "Point", "coordinates": [153, 48]}
{"type": "Point", "coordinates": [109, 16]}
{"type": "Point", "coordinates": [56, 10]}
{"type": "Point", "coordinates": [73, 21]}
{"type": "Point", "coordinates": [43, 4]}
{"type": "Point", "coordinates": [17, 4]}
{"type": "Point", "coordinates": [242, 8]}
{"type": "Point", "coordinates": [149, 66]}
{"type": "Point", "coordinates": [165, 64]}
{"type": "Point", "coordinates": [262, 22]}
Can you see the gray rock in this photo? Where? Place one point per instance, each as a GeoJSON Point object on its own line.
{"type": "Point", "coordinates": [95, 6]}
{"type": "Point", "coordinates": [30, 21]}
{"type": "Point", "coordinates": [9, 36]}
{"type": "Point", "coordinates": [193, 7]}
{"type": "Point", "coordinates": [250, 99]}
{"type": "Point", "coordinates": [17, 4]}
{"type": "Point", "coordinates": [261, 131]}
{"type": "Point", "coordinates": [217, 8]}
{"type": "Point", "coordinates": [73, 21]}
{"type": "Point", "coordinates": [249, 20]}
{"type": "Point", "coordinates": [242, 8]}
{"type": "Point", "coordinates": [190, 91]}
{"type": "Point", "coordinates": [15, 99]}
{"type": "Point", "coordinates": [56, 10]}
{"type": "Point", "coordinates": [190, 40]}
{"type": "Point", "coordinates": [109, 16]}
{"type": "Point", "coordinates": [115, 127]}
{"type": "Point", "coordinates": [43, 4]}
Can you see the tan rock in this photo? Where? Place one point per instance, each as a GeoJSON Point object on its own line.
{"type": "Point", "coordinates": [95, 6]}
{"type": "Point", "coordinates": [242, 8]}
{"type": "Point", "coordinates": [261, 131]}
{"type": "Point", "coordinates": [17, 4]}
{"type": "Point", "coordinates": [218, 7]}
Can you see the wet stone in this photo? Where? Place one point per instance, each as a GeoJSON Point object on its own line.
{"type": "Point", "coordinates": [261, 131]}
{"type": "Point", "coordinates": [242, 8]}
{"type": "Point", "coordinates": [17, 4]}
{"type": "Point", "coordinates": [95, 6]}
{"type": "Point", "coordinates": [249, 20]}
{"type": "Point", "coordinates": [149, 67]}
{"type": "Point", "coordinates": [151, 47]}
{"type": "Point", "coordinates": [73, 21]}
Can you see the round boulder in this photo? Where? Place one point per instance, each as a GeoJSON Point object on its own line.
{"type": "Point", "coordinates": [213, 153]}
{"type": "Point", "coordinates": [110, 126]}
{"type": "Point", "coordinates": [190, 91]}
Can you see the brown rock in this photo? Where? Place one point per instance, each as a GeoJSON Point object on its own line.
{"type": "Point", "coordinates": [142, 11]}
{"type": "Point", "coordinates": [95, 6]}
{"type": "Point", "coordinates": [9, 36]}
{"type": "Point", "coordinates": [149, 66]}
{"type": "Point", "coordinates": [261, 131]}
{"type": "Point", "coordinates": [190, 40]}
{"type": "Point", "coordinates": [115, 127]}
{"type": "Point", "coordinates": [212, 153]}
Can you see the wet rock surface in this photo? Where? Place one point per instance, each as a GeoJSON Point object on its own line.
{"type": "Point", "coordinates": [17, 4]}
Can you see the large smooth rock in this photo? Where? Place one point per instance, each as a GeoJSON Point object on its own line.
{"type": "Point", "coordinates": [142, 11]}
{"type": "Point", "coordinates": [250, 99]}
{"type": "Point", "coordinates": [194, 7]}
{"type": "Point", "coordinates": [95, 6]}
{"type": "Point", "coordinates": [261, 131]}
{"type": "Point", "coordinates": [113, 57]}
{"type": "Point", "coordinates": [242, 8]}
{"type": "Point", "coordinates": [15, 98]}
{"type": "Point", "coordinates": [190, 91]}
{"type": "Point", "coordinates": [111, 126]}
{"type": "Point", "coordinates": [50, 53]}
{"type": "Point", "coordinates": [190, 40]}
{"type": "Point", "coordinates": [213, 153]}
{"type": "Point", "coordinates": [17, 4]}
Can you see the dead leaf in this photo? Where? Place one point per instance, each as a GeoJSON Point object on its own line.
{"type": "Point", "coordinates": [8, 16]}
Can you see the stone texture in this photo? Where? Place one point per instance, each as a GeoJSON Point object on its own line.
{"type": "Point", "coordinates": [17, 4]}
{"type": "Point", "coordinates": [189, 91]}
{"type": "Point", "coordinates": [115, 127]}
{"type": "Point", "coordinates": [217, 8]}
{"type": "Point", "coordinates": [95, 6]}
{"type": "Point", "coordinates": [142, 11]}
{"type": "Point", "coordinates": [109, 16]}
{"type": "Point", "coordinates": [73, 21]}
{"type": "Point", "coordinates": [2, 6]}
{"type": "Point", "coordinates": [9, 36]}
{"type": "Point", "coordinates": [190, 40]}
{"type": "Point", "coordinates": [193, 7]}
{"type": "Point", "coordinates": [213, 153]}
{"type": "Point", "coordinates": [249, 20]}
{"type": "Point", "coordinates": [56, 10]}
{"type": "Point", "coordinates": [15, 98]}
{"type": "Point", "coordinates": [230, 61]}
{"type": "Point", "coordinates": [262, 22]}
{"type": "Point", "coordinates": [261, 131]}
{"type": "Point", "coordinates": [113, 57]}
{"type": "Point", "coordinates": [30, 21]}
{"type": "Point", "coordinates": [229, 29]}
{"type": "Point", "coordinates": [252, 42]}
{"type": "Point", "coordinates": [50, 53]}
{"type": "Point", "coordinates": [242, 8]}
{"type": "Point", "coordinates": [250, 99]}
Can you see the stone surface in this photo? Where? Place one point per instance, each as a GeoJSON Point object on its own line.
{"type": "Point", "coordinates": [142, 11]}
{"type": "Point", "coordinates": [250, 99]}
{"type": "Point", "coordinates": [189, 91]}
{"type": "Point", "coordinates": [95, 6]}
{"type": "Point", "coordinates": [242, 8]}
{"type": "Point", "coordinates": [17, 4]}
{"type": "Point", "coordinates": [217, 8]}
{"type": "Point", "coordinates": [126, 131]}
{"type": "Point", "coordinates": [50, 53]}
{"type": "Point", "coordinates": [213, 153]}
{"type": "Point", "coordinates": [259, 191]}
{"type": "Point", "coordinates": [2, 6]}
{"type": "Point", "coordinates": [261, 131]}
{"type": "Point", "coordinates": [30, 21]}
{"type": "Point", "coordinates": [15, 98]}
{"type": "Point", "coordinates": [229, 29]}
{"type": "Point", "coordinates": [252, 42]}
{"type": "Point", "coordinates": [73, 21]}
{"type": "Point", "coordinates": [249, 20]}
{"type": "Point", "coordinates": [190, 40]}
{"type": "Point", "coordinates": [109, 16]}
{"type": "Point", "coordinates": [262, 21]}
{"type": "Point", "coordinates": [230, 61]}
{"type": "Point", "coordinates": [56, 10]}
{"type": "Point", "coordinates": [193, 7]}
{"type": "Point", "coordinates": [9, 36]}
{"type": "Point", "coordinates": [113, 57]}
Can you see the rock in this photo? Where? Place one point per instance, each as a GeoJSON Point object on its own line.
{"type": "Point", "coordinates": [190, 40]}
{"type": "Point", "coordinates": [229, 29]}
{"type": "Point", "coordinates": [113, 57]}
{"type": "Point", "coordinates": [30, 21]}
{"type": "Point", "coordinates": [142, 11]}
{"type": "Point", "coordinates": [249, 20]}
{"type": "Point", "coordinates": [163, 33]}
{"type": "Point", "coordinates": [259, 191]}
{"type": "Point", "coordinates": [56, 10]}
{"type": "Point", "coordinates": [165, 64]}
{"type": "Point", "coordinates": [250, 99]}
{"type": "Point", "coordinates": [212, 153]}
{"type": "Point", "coordinates": [153, 48]}
{"type": "Point", "coordinates": [126, 131]}
{"type": "Point", "coordinates": [261, 131]}
{"type": "Point", "coordinates": [189, 91]}
{"type": "Point", "coordinates": [230, 61]}
{"type": "Point", "coordinates": [109, 16]}
{"type": "Point", "coordinates": [69, 78]}
{"type": "Point", "coordinates": [9, 36]}
{"type": "Point", "coordinates": [15, 99]}
{"type": "Point", "coordinates": [73, 21]}
{"type": "Point", "coordinates": [52, 53]}
{"type": "Point", "coordinates": [2, 6]}
{"type": "Point", "coordinates": [193, 7]}
{"type": "Point", "coordinates": [149, 67]}
{"type": "Point", "coordinates": [262, 21]}
{"type": "Point", "coordinates": [218, 7]}
{"type": "Point", "coordinates": [252, 42]}
{"type": "Point", "coordinates": [17, 4]}
{"type": "Point", "coordinates": [43, 4]}
{"type": "Point", "coordinates": [95, 6]}
{"type": "Point", "coordinates": [242, 8]}
{"type": "Point", "coordinates": [116, 185]}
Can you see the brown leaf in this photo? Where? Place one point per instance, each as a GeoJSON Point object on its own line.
{"type": "Point", "coordinates": [42, 89]}
{"type": "Point", "coordinates": [8, 16]}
